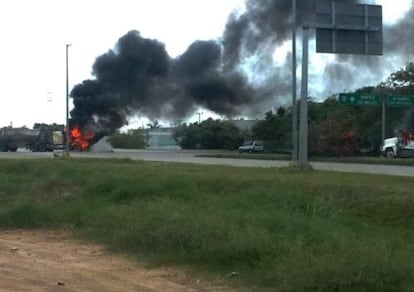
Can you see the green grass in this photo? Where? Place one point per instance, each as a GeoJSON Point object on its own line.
{"type": "Point", "coordinates": [279, 229]}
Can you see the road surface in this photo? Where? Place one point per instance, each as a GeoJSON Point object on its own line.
{"type": "Point", "coordinates": [189, 156]}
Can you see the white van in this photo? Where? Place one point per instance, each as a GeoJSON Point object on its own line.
{"type": "Point", "coordinates": [250, 147]}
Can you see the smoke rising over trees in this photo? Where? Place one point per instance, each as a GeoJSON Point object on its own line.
{"type": "Point", "coordinates": [231, 76]}
{"type": "Point", "coordinates": [139, 76]}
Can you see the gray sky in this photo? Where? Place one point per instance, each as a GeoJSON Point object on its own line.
{"type": "Point", "coordinates": [35, 32]}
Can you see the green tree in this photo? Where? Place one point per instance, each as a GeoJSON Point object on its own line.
{"type": "Point", "coordinates": [399, 82]}
{"type": "Point", "coordinates": [209, 134]}
{"type": "Point", "coordinates": [332, 137]}
{"type": "Point", "coordinates": [274, 130]}
{"type": "Point", "coordinates": [402, 80]}
{"type": "Point", "coordinates": [329, 122]}
{"type": "Point", "coordinates": [132, 139]}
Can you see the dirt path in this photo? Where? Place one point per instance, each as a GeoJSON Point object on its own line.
{"type": "Point", "coordinates": [54, 261]}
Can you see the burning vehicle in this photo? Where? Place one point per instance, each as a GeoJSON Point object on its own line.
{"type": "Point", "coordinates": [45, 138]}
{"type": "Point", "coordinates": [80, 140]}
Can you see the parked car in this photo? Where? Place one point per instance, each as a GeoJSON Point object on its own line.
{"type": "Point", "coordinates": [250, 147]}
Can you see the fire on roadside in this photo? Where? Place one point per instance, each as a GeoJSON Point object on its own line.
{"type": "Point", "coordinates": [80, 140]}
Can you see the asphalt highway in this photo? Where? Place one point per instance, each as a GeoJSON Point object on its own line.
{"type": "Point", "coordinates": [188, 156]}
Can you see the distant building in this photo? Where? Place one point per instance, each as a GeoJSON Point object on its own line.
{"type": "Point", "coordinates": [244, 125]}
{"type": "Point", "coordinates": [161, 138]}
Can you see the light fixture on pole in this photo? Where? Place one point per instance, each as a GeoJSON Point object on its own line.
{"type": "Point", "coordinates": [67, 97]}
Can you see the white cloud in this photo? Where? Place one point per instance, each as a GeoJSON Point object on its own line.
{"type": "Point", "coordinates": [34, 34]}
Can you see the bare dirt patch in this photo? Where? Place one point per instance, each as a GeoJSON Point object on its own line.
{"type": "Point", "coordinates": [55, 261]}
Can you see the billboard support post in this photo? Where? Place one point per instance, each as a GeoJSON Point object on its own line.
{"type": "Point", "coordinates": [303, 121]}
{"type": "Point", "coordinates": [294, 95]}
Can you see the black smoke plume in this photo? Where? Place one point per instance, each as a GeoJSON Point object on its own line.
{"type": "Point", "coordinates": [231, 76]}
{"type": "Point", "coordinates": [139, 76]}
{"type": "Point", "coordinates": [264, 22]}
{"type": "Point", "coordinates": [123, 78]}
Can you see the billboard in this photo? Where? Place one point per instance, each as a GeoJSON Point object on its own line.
{"type": "Point", "coordinates": [343, 28]}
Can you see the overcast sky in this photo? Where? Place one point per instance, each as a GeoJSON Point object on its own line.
{"type": "Point", "coordinates": [34, 34]}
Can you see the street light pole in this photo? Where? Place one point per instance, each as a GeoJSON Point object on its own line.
{"type": "Point", "coordinates": [199, 117]}
{"type": "Point", "coordinates": [67, 97]}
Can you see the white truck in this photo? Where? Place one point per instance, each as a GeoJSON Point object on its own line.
{"type": "Point", "coordinates": [397, 147]}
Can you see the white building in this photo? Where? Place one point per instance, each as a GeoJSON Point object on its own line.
{"type": "Point", "coordinates": [161, 138]}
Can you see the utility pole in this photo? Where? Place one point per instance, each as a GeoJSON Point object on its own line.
{"type": "Point", "coordinates": [294, 104]}
{"type": "Point", "coordinates": [199, 117]}
{"type": "Point", "coordinates": [67, 98]}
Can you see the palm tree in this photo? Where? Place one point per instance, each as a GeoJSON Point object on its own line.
{"type": "Point", "coordinates": [154, 125]}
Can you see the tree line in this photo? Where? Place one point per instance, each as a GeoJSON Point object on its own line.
{"type": "Point", "coordinates": [335, 129]}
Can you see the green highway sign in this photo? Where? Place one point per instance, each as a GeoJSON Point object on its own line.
{"type": "Point", "coordinates": [359, 99]}
{"type": "Point", "coordinates": [400, 101]}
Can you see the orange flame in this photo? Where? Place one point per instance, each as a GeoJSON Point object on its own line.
{"type": "Point", "coordinates": [80, 141]}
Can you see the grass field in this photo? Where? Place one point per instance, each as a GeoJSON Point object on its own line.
{"type": "Point", "coordinates": [278, 229]}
